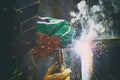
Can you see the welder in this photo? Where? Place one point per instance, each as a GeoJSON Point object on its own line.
{"type": "Point", "coordinates": [41, 63]}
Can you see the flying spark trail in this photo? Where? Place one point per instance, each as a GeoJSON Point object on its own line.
{"type": "Point", "coordinates": [83, 48]}
{"type": "Point", "coordinates": [94, 26]}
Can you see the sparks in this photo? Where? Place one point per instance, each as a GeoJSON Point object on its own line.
{"type": "Point", "coordinates": [83, 48]}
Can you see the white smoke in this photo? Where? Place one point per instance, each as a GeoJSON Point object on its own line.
{"type": "Point", "coordinates": [93, 21]}
{"type": "Point", "coordinates": [94, 26]}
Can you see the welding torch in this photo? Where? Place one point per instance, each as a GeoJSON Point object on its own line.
{"type": "Point", "coordinates": [60, 59]}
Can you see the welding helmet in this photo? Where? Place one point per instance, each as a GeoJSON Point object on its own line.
{"type": "Point", "coordinates": [56, 27]}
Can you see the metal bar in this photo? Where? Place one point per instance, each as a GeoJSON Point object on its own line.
{"type": "Point", "coordinates": [37, 2]}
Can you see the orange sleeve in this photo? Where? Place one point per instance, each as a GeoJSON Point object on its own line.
{"type": "Point", "coordinates": [45, 44]}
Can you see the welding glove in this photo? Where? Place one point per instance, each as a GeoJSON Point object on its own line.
{"type": "Point", "coordinates": [64, 75]}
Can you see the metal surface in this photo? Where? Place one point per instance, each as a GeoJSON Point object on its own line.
{"type": "Point", "coordinates": [25, 13]}
{"type": "Point", "coordinates": [24, 26]}
{"type": "Point", "coordinates": [24, 3]}
{"type": "Point", "coordinates": [106, 60]}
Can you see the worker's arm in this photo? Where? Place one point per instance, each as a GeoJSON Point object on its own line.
{"type": "Point", "coordinates": [57, 76]}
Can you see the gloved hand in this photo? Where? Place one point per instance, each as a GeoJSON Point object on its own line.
{"type": "Point", "coordinates": [64, 75]}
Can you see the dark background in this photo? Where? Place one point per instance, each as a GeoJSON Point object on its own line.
{"type": "Point", "coordinates": [17, 22]}
{"type": "Point", "coordinates": [6, 20]}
